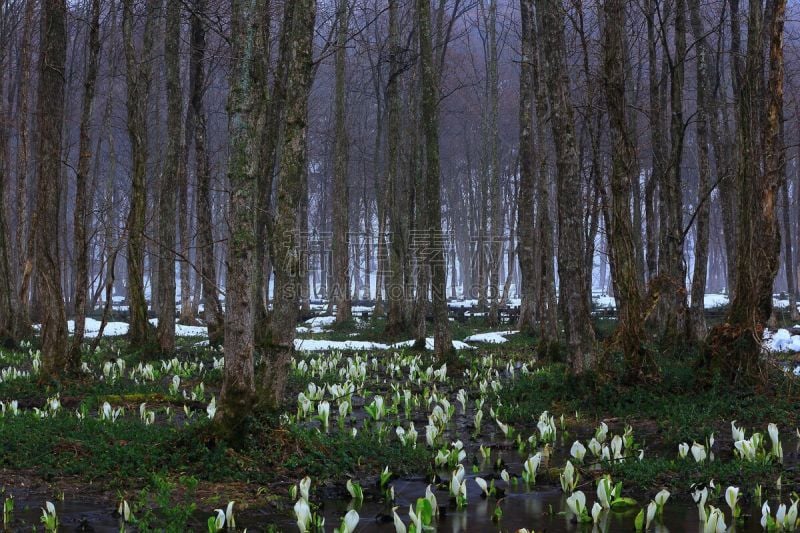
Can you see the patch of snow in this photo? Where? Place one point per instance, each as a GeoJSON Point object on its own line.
{"type": "Point", "coordinates": [185, 331]}
{"type": "Point", "coordinates": [92, 328]}
{"type": "Point", "coordinates": [319, 345]}
{"type": "Point", "coordinates": [458, 345]}
{"type": "Point", "coordinates": [781, 341]}
{"type": "Point", "coordinates": [604, 301]}
{"type": "Point", "coordinates": [321, 321]}
{"type": "Point", "coordinates": [711, 301]}
{"type": "Point", "coordinates": [491, 337]}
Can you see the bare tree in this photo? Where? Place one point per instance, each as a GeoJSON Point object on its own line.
{"type": "Point", "coordinates": [395, 182]}
{"type": "Point", "coordinates": [527, 176]}
{"type": "Point", "coordinates": [165, 334]}
{"type": "Point", "coordinates": [341, 197]}
{"type": "Point", "coordinates": [238, 386]}
{"type": "Point", "coordinates": [81, 219]}
{"type": "Point", "coordinates": [49, 181]}
{"type": "Point", "coordinates": [577, 323]}
{"type": "Point", "coordinates": [437, 259]}
{"type": "Point", "coordinates": [212, 313]}
{"type": "Point", "coordinates": [736, 345]}
{"type": "Point", "coordinates": [624, 170]}
{"type": "Point", "coordinates": [138, 81]}
{"type": "Point", "coordinates": [286, 250]}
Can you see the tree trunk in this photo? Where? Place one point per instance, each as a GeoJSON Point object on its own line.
{"type": "Point", "coordinates": [49, 183]}
{"type": "Point", "coordinates": [212, 308]}
{"type": "Point", "coordinates": [657, 141]}
{"type": "Point", "coordinates": [495, 192]}
{"type": "Point", "coordinates": [697, 324]}
{"type": "Point", "coordinates": [547, 305]}
{"type": "Point", "coordinates": [341, 198]}
{"type": "Point", "coordinates": [7, 299]}
{"type": "Point", "coordinates": [670, 289]}
{"type": "Point", "coordinates": [165, 332]}
{"type": "Point", "coordinates": [81, 220]}
{"type": "Point", "coordinates": [437, 257]}
{"type": "Point", "coordinates": [527, 177]}
{"type": "Point", "coordinates": [138, 81]}
{"type": "Point", "coordinates": [395, 295]}
{"type": "Point", "coordinates": [285, 249]}
{"type": "Point", "coordinates": [788, 255]}
{"type": "Point", "coordinates": [238, 387]}
{"type": "Point", "coordinates": [624, 170]}
{"type": "Point", "coordinates": [737, 343]}
{"type": "Point", "coordinates": [577, 321]}
{"type": "Point", "coordinates": [23, 261]}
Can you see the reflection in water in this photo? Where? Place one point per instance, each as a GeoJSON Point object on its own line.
{"type": "Point", "coordinates": [542, 508]}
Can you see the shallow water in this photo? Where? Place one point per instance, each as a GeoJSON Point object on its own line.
{"type": "Point", "coordinates": [540, 509]}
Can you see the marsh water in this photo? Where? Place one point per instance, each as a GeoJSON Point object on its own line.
{"type": "Point", "coordinates": [540, 508]}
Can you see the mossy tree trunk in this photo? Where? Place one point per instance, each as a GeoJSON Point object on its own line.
{"type": "Point", "coordinates": [436, 258]}
{"type": "Point", "coordinates": [49, 182]}
{"type": "Point", "coordinates": [736, 344]}
{"type": "Point", "coordinates": [341, 197]}
{"type": "Point", "coordinates": [165, 333]}
{"type": "Point", "coordinates": [624, 169]}
{"type": "Point", "coordinates": [138, 64]}
{"type": "Point", "coordinates": [286, 249]}
{"type": "Point", "coordinates": [527, 178]}
{"type": "Point", "coordinates": [81, 215]}
{"type": "Point", "coordinates": [238, 387]}
{"type": "Point", "coordinates": [572, 299]}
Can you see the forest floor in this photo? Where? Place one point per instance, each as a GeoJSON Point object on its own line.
{"type": "Point", "coordinates": [135, 428]}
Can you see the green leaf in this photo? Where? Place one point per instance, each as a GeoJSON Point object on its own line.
{"type": "Point", "coordinates": [639, 522]}
{"type": "Point", "coordinates": [425, 511]}
{"type": "Point", "coordinates": [622, 504]}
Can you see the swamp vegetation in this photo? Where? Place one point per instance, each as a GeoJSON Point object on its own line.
{"type": "Point", "coordinates": [137, 430]}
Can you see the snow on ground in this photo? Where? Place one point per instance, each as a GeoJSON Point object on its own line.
{"type": "Point", "coordinates": [781, 341]}
{"type": "Point", "coordinates": [604, 301]}
{"type": "Point", "coordinates": [319, 345]}
{"type": "Point", "coordinates": [711, 301]}
{"type": "Point", "coordinates": [117, 329]}
{"type": "Point", "coordinates": [462, 303]}
{"type": "Point", "coordinates": [185, 331]}
{"type": "Point", "coordinates": [92, 328]}
{"type": "Point", "coordinates": [458, 345]}
{"type": "Point", "coordinates": [491, 337]}
{"type": "Point", "coordinates": [321, 321]}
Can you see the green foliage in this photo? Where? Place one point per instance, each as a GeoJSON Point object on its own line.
{"type": "Point", "coordinates": [676, 474]}
{"type": "Point", "coordinates": [118, 453]}
{"type": "Point", "coordinates": [681, 405]}
{"type": "Point", "coordinates": [329, 456]}
{"type": "Point", "coordinates": [165, 505]}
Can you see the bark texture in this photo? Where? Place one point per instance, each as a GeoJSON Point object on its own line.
{"type": "Point", "coordinates": [577, 321]}
{"type": "Point", "coordinates": [165, 333]}
{"type": "Point", "coordinates": [286, 250]}
{"type": "Point", "coordinates": [49, 183]}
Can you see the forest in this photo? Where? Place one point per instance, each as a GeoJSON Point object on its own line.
{"type": "Point", "coordinates": [398, 265]}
